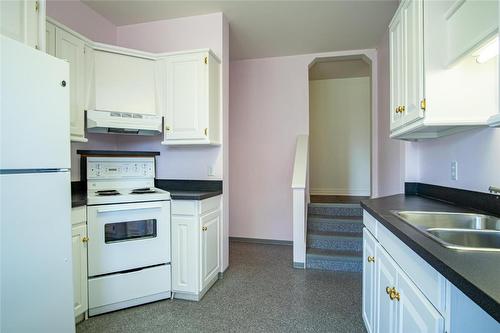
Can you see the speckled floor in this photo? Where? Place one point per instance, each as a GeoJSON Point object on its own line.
{"type": "Point", "coordinates": [260, 292]}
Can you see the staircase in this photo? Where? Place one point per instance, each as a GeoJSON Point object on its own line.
{"type": "Point", "coordinates": [335, 237]}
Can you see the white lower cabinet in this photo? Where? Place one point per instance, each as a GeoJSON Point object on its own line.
{"type": "Point", "coordinates": [403, 293]}
{"type": "Point", "coordinates": [369, 280]}
{"type": "Point", "coordinates": [79, 251]}
{"type": "Point", "coordinates": [195, 246]}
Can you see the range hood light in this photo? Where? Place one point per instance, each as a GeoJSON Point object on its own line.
{"type": "Point", "coordinates": [488, 51]}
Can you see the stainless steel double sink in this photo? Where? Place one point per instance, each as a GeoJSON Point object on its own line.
{"type": "Point", "coordinates": [459, 231]}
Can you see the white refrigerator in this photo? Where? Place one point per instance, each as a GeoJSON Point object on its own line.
{"type": "Point", "coordinates": [36, 285]}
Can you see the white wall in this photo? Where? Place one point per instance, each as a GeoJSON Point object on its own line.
{"type": "Point", "coordinates": [339, 118]}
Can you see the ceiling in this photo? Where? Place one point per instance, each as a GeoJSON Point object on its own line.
{"type": "Point", "coordinates": [271, 28]}
{"type": "Point", "coordinates": [339, 69]}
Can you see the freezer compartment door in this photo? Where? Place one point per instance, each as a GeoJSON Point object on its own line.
{"type": "Point", "coordinates": [35, 248]}
{"type": "Point", "coordinates": [34, 118]}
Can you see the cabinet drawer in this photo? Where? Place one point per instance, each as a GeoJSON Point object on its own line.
{"type": "Point", "coordinates": [428, 280]}
{"type": "Point", "coordinates": [184, 207]}
{"type": "Point", "coordinates": [209, 205]}
{"type": "Point", "coordinates": [115, 288]}
{"type": "Point", "coordinates": [370, 223]}
{"type": "Point", "coordinates": [79, 215]}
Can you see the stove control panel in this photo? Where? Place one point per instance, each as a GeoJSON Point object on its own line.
{"type": "Point", "coordinates": [120, 167]}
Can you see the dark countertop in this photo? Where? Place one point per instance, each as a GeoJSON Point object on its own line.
{"type": "Point", "coordinates": [476, 274]}
{"type": "Point", "coordinates": [78, 194]}
{"type": "Point", "coordinates": [192, 195]}
{"type": "Point", "coordinates": [181, 189]}
{"type": "Point", "coordinates": [78, 199]}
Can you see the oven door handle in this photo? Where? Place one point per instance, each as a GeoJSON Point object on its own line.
{"type": "Point", "coordinates": [119, 209]}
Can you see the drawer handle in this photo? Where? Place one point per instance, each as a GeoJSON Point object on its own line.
{"type": "Point", "coordinates": [119, 209]}
{"type": "Point", "coordinates": [371, 259]}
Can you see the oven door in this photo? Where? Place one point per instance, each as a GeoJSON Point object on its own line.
{"type": "Point", "coordinates": [128, 236]}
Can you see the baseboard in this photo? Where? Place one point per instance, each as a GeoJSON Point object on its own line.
{"type": "Point", "coordinates": [300, 265]}
{"type": "Point", "coordinates": [260, 241]}
{"type": "Point", "coordinates": [340, 191]}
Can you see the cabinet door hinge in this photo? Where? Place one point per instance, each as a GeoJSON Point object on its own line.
{"type": "Point", "coordinates": [423, 104]}
{"type": "Point", "coordinates": [37, 6]}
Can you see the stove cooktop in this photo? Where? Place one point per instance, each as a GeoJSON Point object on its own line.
{"type": "Point", "coordinates": [116, 196]}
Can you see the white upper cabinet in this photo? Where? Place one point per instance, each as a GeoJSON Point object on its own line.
{"type": "Point", "coordinates": [50, 39]}
{"type": "Point", "coordinates": [71, 49]}
{"type": "Point", "coordinates": [22, 20]}
{"type": "Point", "coordinates": [397, 84]}
{"type": "Point", "coordinates": [437, 87]}
{"type": "Point", "coordinates": [124, 83]}
{"type": "Point", "coordinates": [191, 102]}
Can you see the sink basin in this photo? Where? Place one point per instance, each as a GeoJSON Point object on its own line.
{"type": "Point", "coordinates": [473, 240]}
{"type": "Point", "coordinates": [460, 231]}
{"type": "Point", "coordinates": [450, 220]}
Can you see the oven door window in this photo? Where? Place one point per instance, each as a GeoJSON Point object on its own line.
{"type": "Point", "coordinates": [129, 231]}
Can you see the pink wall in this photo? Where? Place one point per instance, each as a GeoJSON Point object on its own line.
{"type": "Point", "coordinates": [81, 18]}
{"type": "Point", "coordinates": [391, 171]}
{"type": "Point", "coordinates": [186, 33]}
{"type": "Point", "coordinates": [268, 110]}
{"type": "Point", "coordinates": [196, 32]}
{"type": "Point", "coordinates": [477, 153]}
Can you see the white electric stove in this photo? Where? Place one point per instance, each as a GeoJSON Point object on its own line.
{"type": "Point", "coordinates": [129, 234]}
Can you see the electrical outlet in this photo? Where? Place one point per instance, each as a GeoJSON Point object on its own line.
{"type": "Point", "coordinates": [454, 170]}
{"type": "Point", "coordinates": [211, 171]}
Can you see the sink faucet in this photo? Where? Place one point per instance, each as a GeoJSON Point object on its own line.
{"type": "Point", "coordinates": [494, 189]}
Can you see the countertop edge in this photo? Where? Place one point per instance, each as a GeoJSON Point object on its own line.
{"type": "Point", "coordinates": [486, 302]}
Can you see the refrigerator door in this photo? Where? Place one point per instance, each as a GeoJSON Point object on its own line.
{"type": "Point", "coordinates": [34, 117]}
{"type": "Point", "coordinates": [35, 252]}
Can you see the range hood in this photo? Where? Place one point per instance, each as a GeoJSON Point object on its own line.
{"type": "Point", "coordinates": [111, 122]}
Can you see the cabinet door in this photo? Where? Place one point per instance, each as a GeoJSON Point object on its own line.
{"type": "Point", "coordinates": [71, 49]}
{"type": "Point", "coordinates": [186, 113]}
{"type": "Point", "coordinates": [386, 271]}
{"type": "Point", "coordinates": [185, 254]}
{"type": "Point", "coordinates": [50, 39]}
{"type": "Point", "coordinates": [413, 72]}
{"type": "Point", "coordinates": [369, 285]}
{"type": "Point", "coordinates": [124, 83]}
{"type": "Point", "coordinates": [415, 312]}
{"type": "Point", "coordinates": [210, 233]}
{"type": "Point", "coordinates": [396, 55]}
{"type": "Point", "coordinates": [79, 250]}
{"type": "Point", "coordinates": [19, 20]}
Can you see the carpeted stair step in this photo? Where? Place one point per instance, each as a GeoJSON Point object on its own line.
{"type": "Point", "coordinates": [334, 240]}
{"type": "Point", "coordinates": [334, 260]}
{"type": "Point", "coordinates": [335, 209]}
{"type": "Point", "coordinates": [331, 223]}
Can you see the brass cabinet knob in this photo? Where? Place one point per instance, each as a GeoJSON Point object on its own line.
{"type": "Point", "coordinates": [423, 104]}
{"type": "Point", "coordinates": [204, 228]}
{"type": "Point", "coordinates": [167, 128]}
{"type": "Point", "coordinates": [388, 290]}
{"type": "Point", "coordinates": [206, 131]}
{"type": "Point", "coordinates": [85, 239]}
{"type": "Point", "coordinates": [394, 295]}
{"type": "Point", "coordinates": [403, 108]}
{"type": "Point", "coordinates": [371, 259]}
